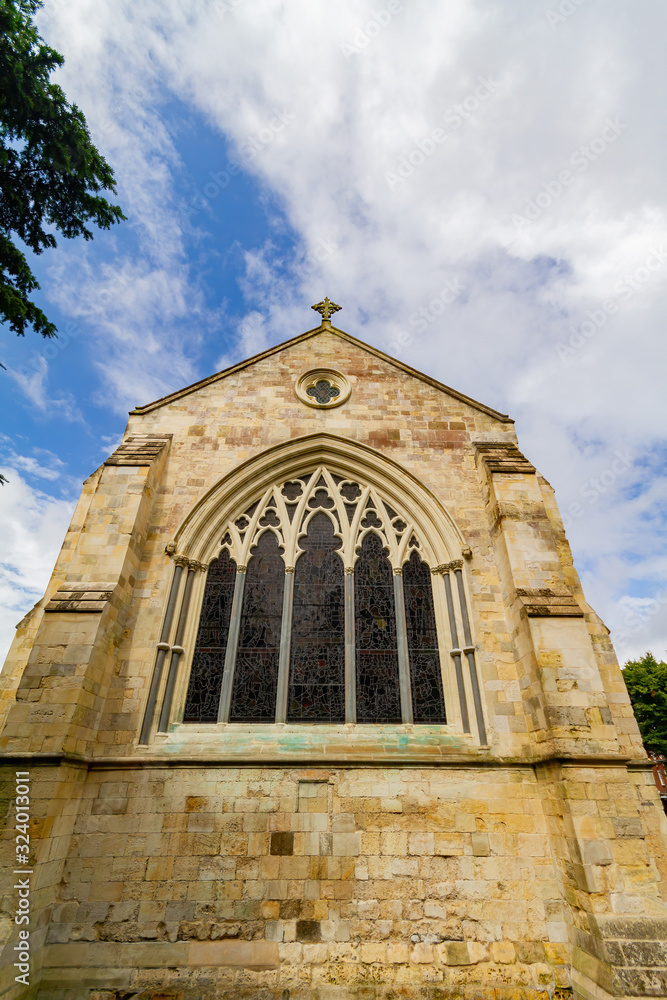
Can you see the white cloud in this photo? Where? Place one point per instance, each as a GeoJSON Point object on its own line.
{"type": "Point", "coordinates": [31, 465]}
{"type": "Point", "coordinates": [355, 118]}
{"type": "Point", "coordinates": [32, 527]}
{"type": "Point", "coordinates": [142, 312]}
{"type": "Point", "coordinates": [32, 379]}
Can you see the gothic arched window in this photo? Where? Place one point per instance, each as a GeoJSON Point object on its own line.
{"type": "Point", "coordinates": [320, 608]}
{"type": "Point", "coordinates": [317, 654]}
{"type": "Point", "coordinates": [209, 659]}
{"type": "Point", "coordinates": [428, 704]}
{"type": "Point", "coordinates": [378, 685]}
{"type": "Point", "coordinates": [256, 669]}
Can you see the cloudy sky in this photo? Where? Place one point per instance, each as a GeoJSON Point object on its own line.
{"type": "Point", "coordinates": [480, 183]}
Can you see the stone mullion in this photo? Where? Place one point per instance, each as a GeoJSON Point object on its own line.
{"type": "Point", "coordinates": [469, 650]}
{"type": "Point", "coordinates": [162, 649]}
{"type": "Point", "coordinates": [232, 646]}
{"type": "Point", "coordinates": [403, 652]}
{"type": "Point", "coordinates": [285, 646]}
{"type": "Point", "coordinates": [176, 651]}
{"type": "Point", "coordinates": [456, 653]}
{"type": "Point", "coordinates": [350, 655]}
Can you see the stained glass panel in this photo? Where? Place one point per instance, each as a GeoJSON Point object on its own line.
{"type": "Point", "coordinates": [323, 391]}
{"type": "Point", "coordinates": [317, 658]}
{"type": "Point", "coordinates": [378, 693]}
{"type": "Point", "coordinates": [321, 499]}
{"type": "Point", "coordinates": [428, 703]}
{"type": "Point", "coordinates": [350, 492]}
{"type": "Point", "coordinates": [203, 696]}
{"type": "Point", "coordinates": [256, 673]}
{"type": "Point", "coordinates": [292, 490]}
{"type": "Point", "coordinates": [317, 652]}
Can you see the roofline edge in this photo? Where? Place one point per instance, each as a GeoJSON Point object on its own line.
{"type": "Point", "coordinates": [323, 328]}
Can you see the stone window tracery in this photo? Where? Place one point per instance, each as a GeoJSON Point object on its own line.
{"type": "Point", "coordinates": [287, 658]}
{"type": "Point", "coordinates": [322, 605]}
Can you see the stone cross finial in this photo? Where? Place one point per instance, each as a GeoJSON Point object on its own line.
{"type": "Point", "coordinates": [326, 308]}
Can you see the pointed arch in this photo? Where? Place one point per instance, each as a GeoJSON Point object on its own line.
{"type": "Point", "coordinates": [200, 535]}
{"type": "Point", "coordinates": [273, 500]}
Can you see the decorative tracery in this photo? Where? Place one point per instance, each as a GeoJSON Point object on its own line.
{"type": "Point", "coordinates": [353, 508]}
{"type": "Point", "coordinates": [423, 555]}
{"type": "Point", "coordinates": [314, 628]}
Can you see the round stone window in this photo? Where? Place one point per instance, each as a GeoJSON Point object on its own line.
{"type": "Point", "coordinates": [323, 388]}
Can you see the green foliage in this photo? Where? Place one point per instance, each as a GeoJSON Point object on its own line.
{"type": "Point", "coordinates": [646, 680]}
{"type": "Point", "coordinates": [50, 171]}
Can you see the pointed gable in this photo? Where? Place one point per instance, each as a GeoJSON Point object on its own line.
{"type": "Point", "coordinates": [323, 330]}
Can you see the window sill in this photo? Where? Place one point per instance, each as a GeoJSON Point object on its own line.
{"type": "Point", "coordinates": [288, 743]}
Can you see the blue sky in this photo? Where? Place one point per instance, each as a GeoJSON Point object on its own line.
{"type": "Point", "coordinates": [479, 183]}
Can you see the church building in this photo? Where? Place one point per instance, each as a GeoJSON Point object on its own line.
{"type": "Point", "coordinates": [314, 708]}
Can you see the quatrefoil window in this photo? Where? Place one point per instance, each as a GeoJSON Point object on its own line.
{"type": "Point", "coordinates": [323, 388]}
{"type": "Point", "coordinates": [323, 391]}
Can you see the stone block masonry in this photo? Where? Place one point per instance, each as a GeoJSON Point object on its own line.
{"type": "Point", "coordinates": [341, 881]}
{"type": "Point", "coordinates": [516, 852]}
{"type": "Point", "coordinates": [315, 878]}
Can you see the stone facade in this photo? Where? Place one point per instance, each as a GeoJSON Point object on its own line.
{"type": "Point", "coordinates": [519, 856]}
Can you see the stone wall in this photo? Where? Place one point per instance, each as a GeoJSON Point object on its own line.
{"type": "Point", "coordinates": [85, 683]}
{"type": "Point", "coordinates": [477, 881]}
{"type": "Point", "coordinates": [330, 862]}
{"type": "Point", "coordinates": [346, 877]}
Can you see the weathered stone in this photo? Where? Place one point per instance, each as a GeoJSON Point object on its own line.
{"type": "Point", "coordinates": [308, 930]}
{"type": "Point", "coordinates": [512, 857]}
{"type": "Point", "coordinates": [282, 843]}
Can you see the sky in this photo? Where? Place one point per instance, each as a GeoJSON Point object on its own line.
{"type": "Point", "coordinates": [480, 185]}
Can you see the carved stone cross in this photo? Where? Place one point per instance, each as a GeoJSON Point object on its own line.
{"type": "Point", "coordinates": [326, 308]}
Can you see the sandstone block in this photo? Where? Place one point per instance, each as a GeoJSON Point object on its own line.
{"type": "Point", "coordinates": [276, 889]}
{"type": "Point", "coordinates": [455, 953]}
{"type": "Point", "coordinates": [480, 845]}
{"type": "Point", "coordinates": [248, 954]}
{"type": "Point", "coordinates": [422, 954]}
{"type": "Point", "coordinates": [346, 844]}
{"type": "Point", "coordinates": [398, 953]}
{"type": "Point", "coordinates": [395, 843]}
{"type": "Point", "coordinates": [315, 954]}
{"type": "Point", "coordinates": [373, 953]}
{"type": "Point", "coordinates": [421, 843]}
{"type": "Point", "coordinates": [391, 805]}
{"type": "Point", "coordinates": [503, 952]}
